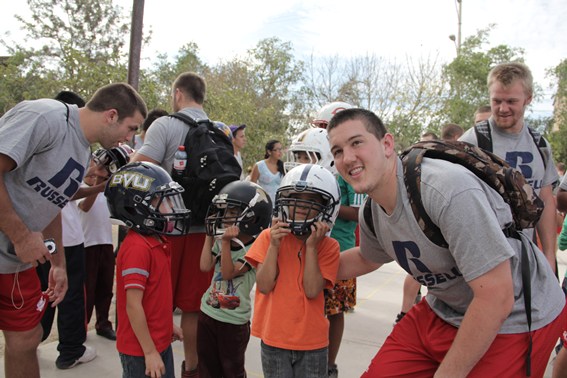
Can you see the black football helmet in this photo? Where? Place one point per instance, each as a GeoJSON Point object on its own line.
{"type": "Point", "coordinates": [307, 178]}
{"type": "Point", "coordinates": [113, 158]}
{"type": "Point", "coordinates": [143, 196]}
{"type": "Point", "coordinates": [252, 204]}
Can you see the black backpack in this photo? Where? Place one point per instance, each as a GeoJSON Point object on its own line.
{"type": "Point", "coordinates": [525, 205]}
{"type": "Point", "coordinates": [210, 165]}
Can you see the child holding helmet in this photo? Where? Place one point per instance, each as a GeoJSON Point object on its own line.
{"type": "Point", "coordinates": [236, 215]}
{"type": "Point", "coordinates": [295, 261]}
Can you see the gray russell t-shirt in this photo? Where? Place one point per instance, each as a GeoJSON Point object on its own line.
{"type": "Point", "coordinates": [470, 216]}
{"type": "Point", "coordinates": [521, 152]}
{"type": "Point", "coordinates": [51, 155]}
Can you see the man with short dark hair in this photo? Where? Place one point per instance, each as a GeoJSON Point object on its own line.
{"type": "Point", "coordinates": [451, 131]}
{"type": "Point", "coordinates": [473, 320]}
{"type": "Point", "coordinates": [238, 143]}
{"type": "Point", "coordinates": [482, 113]}
{"type": "Point", "coordinates": [429, 135]}
{"type": "Point", "coordinates": [44, 152]}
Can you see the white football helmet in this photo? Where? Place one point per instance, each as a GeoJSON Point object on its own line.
{"type": "Point", "coordinates": [302, 213]}
{"type": "Point", "coordinates": [315, 144]}
{"type": "Point", "coordinates": [327, 112]}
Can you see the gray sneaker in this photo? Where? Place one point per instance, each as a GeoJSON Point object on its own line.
{"type": "Point", "coordinates": [333, 371]}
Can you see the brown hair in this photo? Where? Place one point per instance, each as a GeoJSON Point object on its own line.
{"type": "Point", "coordinates": [192, 85]}
{"type": "Point", "coordinates": [451, 131]}
{"type": "Point", "coordinates": [371, 121]}
{"type": "Point", "coordinates": [120, 96]}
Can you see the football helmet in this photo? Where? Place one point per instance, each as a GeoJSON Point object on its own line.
{"type": "Point", "coordinates": [315, 144]}
{"type": "Point", "coordinates": [327, 112]}
{"type": "Point", "coordinates": [145, 198]}
{"type": "Point", "coordinates": [241, 203]}
{"type": "Point", "coordinates": [302, 213]}
{"type": "Point", "coordinates": [113, 158]}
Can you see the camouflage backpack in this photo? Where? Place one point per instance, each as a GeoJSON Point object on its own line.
{"type": "Point", "coordinates": [525, 205]}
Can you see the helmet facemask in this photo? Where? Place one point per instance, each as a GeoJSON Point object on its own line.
{"type": "Point", "coordinates": [301, 209]}
{"type": "Point", "coordinates": [166, 212]}
{"type": "Point", "coordinates": [303, 156]}
{"type": "Point", "coordinates": [222, 214]}
{"type": "Point", "coordinates": [240, 203]}
{"type": "Point", "coordinates": [225, 212]}
{"type": "Point", "coordinates": [114, 158]}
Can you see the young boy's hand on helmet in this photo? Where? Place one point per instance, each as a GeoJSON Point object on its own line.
{"type": "Point", "coordinates": [318, 231]}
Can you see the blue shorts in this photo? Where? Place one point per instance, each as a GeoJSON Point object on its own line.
{"type": "Point", "coordinates": [135, 366]}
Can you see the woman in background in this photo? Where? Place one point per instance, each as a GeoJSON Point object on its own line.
{"type": "Point", "coordinates": [268, 173]}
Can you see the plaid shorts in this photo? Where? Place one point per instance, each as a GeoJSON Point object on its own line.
{"type": "Point", "coordinates": [341, 298]}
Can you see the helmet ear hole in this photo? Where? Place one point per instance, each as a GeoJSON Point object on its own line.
{"type": "Point", "coordinates": [130, 210]}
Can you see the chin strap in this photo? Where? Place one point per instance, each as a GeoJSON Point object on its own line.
{"type": "Point", "coordinates": [236, 240]}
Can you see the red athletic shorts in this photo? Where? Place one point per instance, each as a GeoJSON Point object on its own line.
{"type": "Point", "coordinates": [189, 283]}
{"type": "Point", "coordinates": [22, 303]}
{"type": "Point", "coordinates": [418, 343]}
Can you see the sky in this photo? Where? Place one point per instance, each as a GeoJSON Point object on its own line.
{"type": "Point", "coordinates": [397, 29]}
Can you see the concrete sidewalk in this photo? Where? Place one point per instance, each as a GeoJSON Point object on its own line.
{"type": "Point", "coordinates": [379, 299]}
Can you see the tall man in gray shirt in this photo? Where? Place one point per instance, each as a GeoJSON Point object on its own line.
{"type": "Point", "coordinates": [160, 144]}
{"type": "Point", "coordinates": [44, 152]}
{"type": "Point", "coordinates": [510, 86]}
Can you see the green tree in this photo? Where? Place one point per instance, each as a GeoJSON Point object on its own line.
{"type": "Point", "coordinates": [156, 81]}
{"type": "Point", "coordinates": [558, 138]}
{"type": "Point", "coordinates": [76, 45]}
{"type": "Point", "coordinates": [404, 95]}
{"type": "Point", "coordinates": [466, 77]}
{"type": "Point", "coordinates": [260, 90]}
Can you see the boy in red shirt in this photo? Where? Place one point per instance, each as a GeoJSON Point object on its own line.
{"type": "Point", "coordinates": [295, 261]}
{"type": "Point", "coordinates": [143, 197]}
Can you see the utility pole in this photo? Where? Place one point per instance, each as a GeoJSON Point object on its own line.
{"type": "Point", "coordinates": [134, 68]}
{"type": "Point", "coordinates": [460, 17]}
{"type": "Point", "coordinates": [457, 40]}
{"type": "Point", "coordinates": [135, 43]}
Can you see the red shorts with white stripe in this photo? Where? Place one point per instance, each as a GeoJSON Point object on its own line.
{"type": "Point", "coordinates": [22, 303]}
{"type": "Point", "coordinates": [418, 343]}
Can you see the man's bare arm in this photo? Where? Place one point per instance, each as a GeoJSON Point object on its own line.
{"type": "Point", "coordinates": [29, 245]}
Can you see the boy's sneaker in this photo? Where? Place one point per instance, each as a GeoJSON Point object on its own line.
{"type": "Point", "coordinates": [88, 355]}
{"type": "Point", "coordinates": [333, 371]}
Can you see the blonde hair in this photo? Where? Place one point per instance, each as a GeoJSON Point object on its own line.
{"type": "Point", "coordinates": [507, 73]}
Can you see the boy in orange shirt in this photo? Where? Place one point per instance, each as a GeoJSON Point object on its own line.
{"type": "Point", "coordinates": [295, 261]}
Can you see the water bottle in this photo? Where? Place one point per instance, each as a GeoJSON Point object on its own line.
{"type": "Point", "coordinates": [180, 160]}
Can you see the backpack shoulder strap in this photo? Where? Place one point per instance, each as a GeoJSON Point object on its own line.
{"type": "Point", "coordinates": [411, 161]}
{"type": "Point", "coordinates": [188, 120]}
{"type": "Point", "coordinates": [66, 106]}
{"type": "Point", "coordinates": [541, 145]}
{"type": "Point", "coordinates": [367, 215]}
{"type": "Point", "coordinates": [483, 135]}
